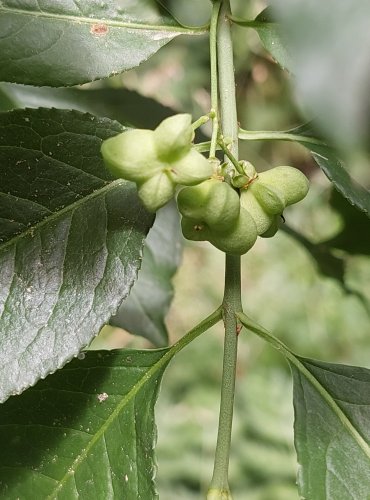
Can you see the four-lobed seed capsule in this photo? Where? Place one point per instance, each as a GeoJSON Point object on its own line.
{"type": "Point", "coordinates": [230, 216]}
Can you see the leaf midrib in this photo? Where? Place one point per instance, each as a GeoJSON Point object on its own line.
{"type": "Point", "coordinates": [56, 215]}
{"type": "Point", "coordinates": [106, 21]}
{"type": "Point", "coordinates": [298, 364]}
{"type": "Point", "coordinates": [331, 402]}
{"type": "Point", "coordinates": [168, 354]}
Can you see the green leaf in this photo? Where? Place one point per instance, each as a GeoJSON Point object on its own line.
{"type": "Point", "coordinates": [329, 43]}
{"type": "Point", "coordinates": [332, 435]}
{"type": "Point", "coordinates": [271, 35]}
{"type": "Point", "coordinates": [86, 431]}
{"type": "Point", "coordinates": [144, 310]}
{"type": "Point", "coordinates": [328, 264]}
{"type": "Point", "coordinates": [125, 106]}
{"type": "Point", "coordinates": [325, 156]}
{"type": "Point", "coordinates": [70, 240]}
{"type": "Point", "coordinates": [355, 226]}
{"type": "Point", "coordinates": [332, 411]}
{"type": "Point", "coordinates": [67, 43]}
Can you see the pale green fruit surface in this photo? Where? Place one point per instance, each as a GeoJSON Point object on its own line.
{"type": "Point", "coordinates": [262, 219]}
{"type": "Point", "coordinates": [173, 137]}
{"type": "Point", "coordinates": [156, 191]}
{"type": "Point", "coordinates": [291, 181]}
{"type": "Point", "coordinates": [212, 201]}
{"type": "Point", "coordinates": [192, 201]}
{"type": "Point", "coordinates": [239, 239]}
{"type": "Point", "coordinates": [273, 229]}
{"type": "Point", "coordinates": [194, 230]}
{"type": "Point", "coordinates": [131, 155]}
{"type": "Point", "coordinates": [191, 169]}
{"type": "Point", "coordinates": [270, 197]}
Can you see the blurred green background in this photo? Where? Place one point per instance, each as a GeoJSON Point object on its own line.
{"type": "Point", "coordinates": [282, 287]}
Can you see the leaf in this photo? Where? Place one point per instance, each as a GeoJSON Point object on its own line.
{"type": "Point", "coordinates": [72, 42]}
{"type": "Point", "coordinates": [336, 172]}
{"type": "Point", "coordinates": [328, 264]}
{"type": "Point", "coordinates": [355, 226]}
{"type": "Point", "coordinates": [144, 310]}
{"type": "Point", "coordinates": [86, 431]}
{"type": "Point", "coordinates": [125, 106]}
{"type": "Point", "coordinates": [329, 43]}
{"type": "Point", "coordinates": [325, 156]}
{"type": "Point", "coordinates": [332, 411]}
{"type": "Point", "coordinates": [70, 240]}
{"type": "Point", "coordinates": [271, 35]}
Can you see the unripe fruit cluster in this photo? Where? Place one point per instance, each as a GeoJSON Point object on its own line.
{"type": "Point", "coordinates": [213, 211]}
{"type": "Point", "coordinates": [157, 160]}
{"type": "Point", "coordinates": [228, 216]}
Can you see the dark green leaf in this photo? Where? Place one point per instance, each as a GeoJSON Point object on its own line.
{"type": "Point", "coordinates": [271, 35]}
{"type": "Point", "coordinates": [336, 171]}
{"type": "Point", "coordinates": [333, 167]}
{"type": "Point", "coordinates": [85, 432]}
{"type": "Point", "coordinates": [329, 43]}
{"type": "Point", "coordinates": [125, 106]}
{"type": "Point", "coordinates": [332, 433]}
{"type": "Point", "coordinates": [327, 159]}
{"type": "Point", "coordinates": [332, 413]}
{"type": "Point", "coordinates": [143, 312]}
{"type": "Point", "coordinates": [67, 43]}
{"type": "Point", "coordinates": [70, 240]}
{"type": "Point", "coordinates": [355, 226]}
{"type": "Point", "coordinates": [327, 263]}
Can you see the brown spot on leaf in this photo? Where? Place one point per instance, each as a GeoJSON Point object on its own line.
{"type": "Point", "coordinates": [99, 29]}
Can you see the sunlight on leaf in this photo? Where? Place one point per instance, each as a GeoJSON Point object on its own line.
{"type": "Point", "coordinates": [71, 240]}
{"type": "Point", "coordinates": [81, 41]}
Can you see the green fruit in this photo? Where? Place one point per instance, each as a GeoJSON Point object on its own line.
{"type": "Point", "coordinates": [191, 169]}
{"type": "Point", "coordinates": [194, 230]}
{"type": "Point", "coordinates": [212, 201]}
{"type": "Point", "coordinates": [288, 184]}
{"type": "Point", "coordinates": [239, 239]}
{"type": "Point", "coordinates": [291, 181]}
{"type": "Point", "coordinates": [156, 191]}
{"type": "Point", "coordinates": [173, 137]}
{"type": "Point", "coordinates": [239, 181]}
{"type": "Point", "coordinates": [270, 196]}
{"type": "Point", "coordinates": [262, 219]}
{"type": "Point", "coordinates": [273, 229]}
{"type": "Point", "coordinates": [131, 155]}
{"type": "Point", "coordinates": [248, 169]}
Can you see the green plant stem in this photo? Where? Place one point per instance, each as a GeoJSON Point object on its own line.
{"type": "Point", "coordinates": [229, 122]}
{"type": "Point", "coordinates": [219, 487]}
{"type": "Point", "coordinates": [202, 327]}
{"type": "Point", "coordinates": [270, 135]}
{"type": "Point", "coordinates": [231, 304]}
{"type": "Point", "coordinates": [203, 147]}
{"type": "Point", "coordinates": [201, 121]}
{"type": "Point", "coordinates": [230, 156]}
{"type": "Point", "coordinates": [214, 76]}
